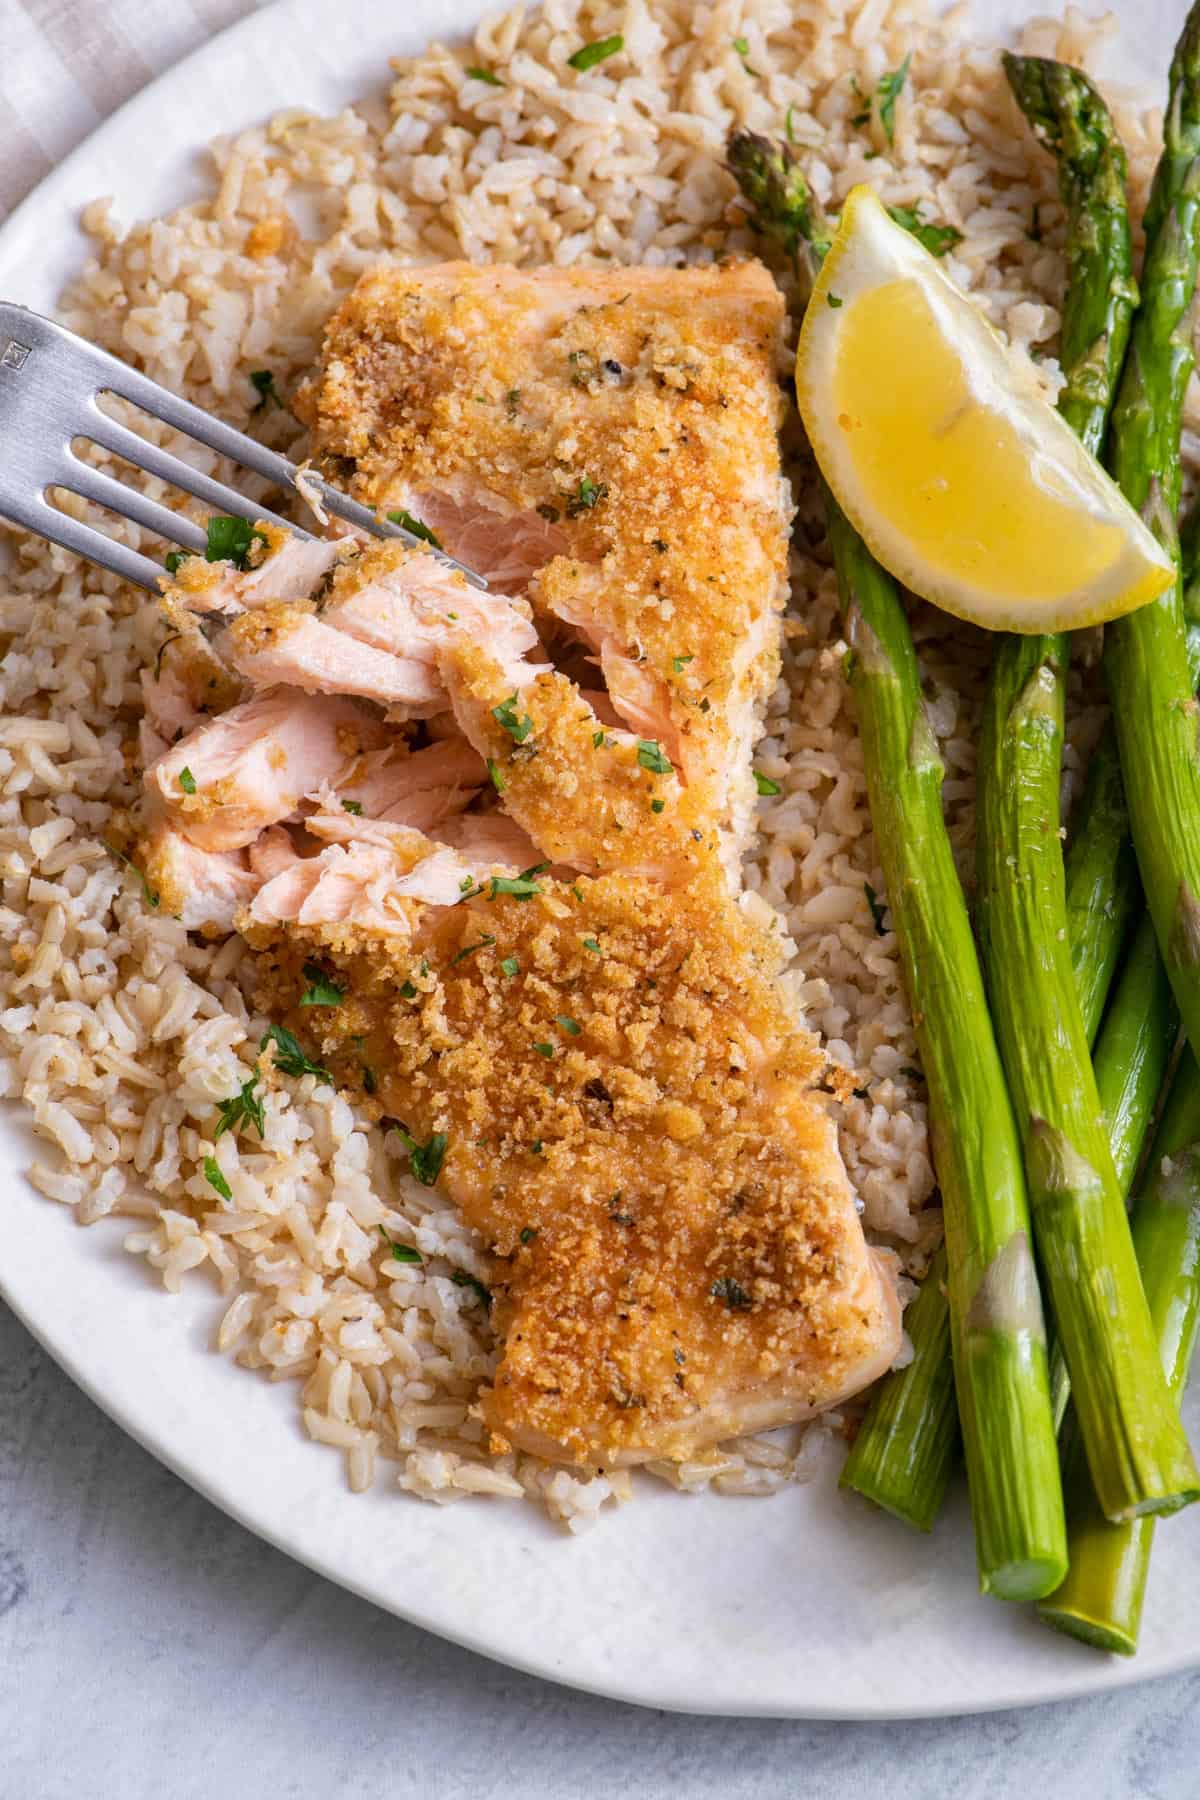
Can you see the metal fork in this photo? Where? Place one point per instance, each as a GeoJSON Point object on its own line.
{"type": "Point", "coordinates": [50, 384]}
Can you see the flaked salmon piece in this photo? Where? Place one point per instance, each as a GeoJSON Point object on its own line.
{"type": "Point", "coordinates": [629, 1120]}
{"type": "Point", "coordinates": [635, 412]}
{"type": "Point", "coordinates": [287, 644]}
{"type": "Point", "coordinates": [272, 851]}
{"type": "Point", "coordinates": [640, 699]}
{"type": "Point", "coordinates": [409, 603]}
{"type": "Point", "coordinates": [490, 842]}
{"type": "Point", "coordinates": [479, 529]}
{"type": "Point", "coordinates": [363, 887]}
{"type": "Point", "coordinates": [228, 780]}
{"type": "Point", "coordinates": [386, 779]}
{"type": "Point", "coordinates": [288, 568]}
{"type": "Point", "coordinates": [203, 888]}
{"type": "Point", "coordinates": [187, 684]}
{"type": "Point", "coordinates": [592, 798]}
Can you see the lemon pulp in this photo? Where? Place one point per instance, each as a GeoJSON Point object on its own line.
{"type": "Point", "coordinates": [953, 476]}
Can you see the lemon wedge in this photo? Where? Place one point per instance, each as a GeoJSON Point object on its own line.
{"type": "Point", "coordinates": [945, 455]}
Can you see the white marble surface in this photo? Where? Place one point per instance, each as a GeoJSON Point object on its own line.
{"type": "Point", "coordinates": [153, 1650]}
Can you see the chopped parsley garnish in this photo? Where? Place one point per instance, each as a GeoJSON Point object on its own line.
{"type": "Point", "coordinates": [230, 540]}
{"type": "Point", "coordinates": [577, 893]}
{"type": "Point", "coordinates": [425, 1160]}
{"type": "Point", "coordinates": [484, 75]}
{"type": "Point", "coordinates": [536, 1148]}
{"type": "Point", "coordinates": [495, 776]}
{"type": "Point", "coordinates": [528, 1233]}
{"type": "Point", "coordinates": [591, 944]}
{"type": "Point", "coordinates": [415, 527]}
{"type": "Point", "coordinates": [148, 893]}
{"type": "Point", "coordinates": [657, 806]}
{"type": "Point", "coordinates": [353, 806]}
{"type": "Point", "coordinates": [588, 494]}
{"type": "Point", "coordinates": [460, 1278]}
{"type": "Point", "coordinates": [521, 887]}
{"type": "Point", "coordinates": [368, 1079]}
{"type": "Point", "coordinates": [470, 949]}
{"type": "Point", "coordinates": [242, 1108]}
{"type": "Point", "coordinates": [187, 781]}
{"type": "Point", "coordinates": [887, 93]}
{"type": "Point", "coordinates": [937, 239]}
{"type": "Point", "coordinates": [263, 383]}
{"type": "Point", "coordinates": [172, 560]}
{"type": "Point", "coordinates": [680, 663]}
{"type": "Point", "coordinates": [215, 1179]}
{"type": "Point", "coordinates": [834, 300]}
{"type": "Point", "coordinates": [510, 967]}
{"type": "Point", "coordinates": [765, 785]}
{"type": "Point", "coordinates": [788, 127]}
{"type": "Point", "coordinates": [322, 989]}
{"type": "Point", "coordinates": [588, 55]}
{"type": "Point", "coordinates": [660, 544]}
{"type": "Point", "coordinates": [732, 1293]}
{"type": "Point", "coordinates": [550, 513]}
{"type": "Point", "coordinates": [546, 1050]}
{"type": "Point", "coordinates": [512, 401]}
{"type": "Point", "coordinates": [467, 885]}
{"type": "Point", "coordinates": [572, 1027]}
{"type": "Point", "coordinates": [289, 1058]}
{"type": "Point", "coordinates": [505, 716]}
{"type": "Point", "coordinates": [875, 905]}
{"type": "Point", "coordinates": [742, 46]}
{"type": "Point", "coordinates": [402, 1253]}
{"type": "Point", "coordinates": [407, 991]}
{"type": "Point", "coordinates": [598, 740]}
{"type": "Point", "coordinates": [651, 755]}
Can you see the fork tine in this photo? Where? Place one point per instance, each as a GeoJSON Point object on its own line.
{"type": "Point", "coordinates": [84, 540]}
{"type": "Point", "coordinates": [171, 410]}
{"type": "Point", "coordinates": [93, 484]}
{"type": "Point", "coordinates": [111, 435]}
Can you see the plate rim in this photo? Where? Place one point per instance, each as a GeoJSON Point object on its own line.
{"type": "Point", "coordinates": [24, 224]}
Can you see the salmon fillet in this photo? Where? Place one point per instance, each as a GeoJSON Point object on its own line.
{"type": "Point", "coordinates": [507, 826]}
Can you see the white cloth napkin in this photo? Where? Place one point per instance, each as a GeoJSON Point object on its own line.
{"type": "Point", "coordinates": [65, 65]}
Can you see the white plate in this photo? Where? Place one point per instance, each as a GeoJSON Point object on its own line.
{"type": "Point", "coordinates": [807, 1605]}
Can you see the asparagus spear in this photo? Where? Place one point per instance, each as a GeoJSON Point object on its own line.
{"type": "Point", "coordinates": [1145, 656]}
{"type": "Point", "coordinates": [1104, 893]}
{"type": "Point", "coordinates": [1101, 1599]}
{"type": "Point", "coordinates": [995, 1309]}
{"type": "Point", "coordinates": [1132, 1054]}
{"type": "Point", "coordinates": [907, 1444]}
{"type": "Point", "coordinates": [1133, 1051]}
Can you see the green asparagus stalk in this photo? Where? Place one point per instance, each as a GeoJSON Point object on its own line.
{"type": "Point", "coordinates": [1101, 1599]}
{"type": "Point", "coordinates": [1104, 893]}
{"type": "Point", "coordinates": [1131, 1058]}
{"type": "Point", "coordinates": [906, 1447]}
{"type": "Point", "coordinates": [1133, 1051]}
{"type": "Point", "coordinates": [996, 1324]}
{"type": "Point", "coordinates": [1145, 656]}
